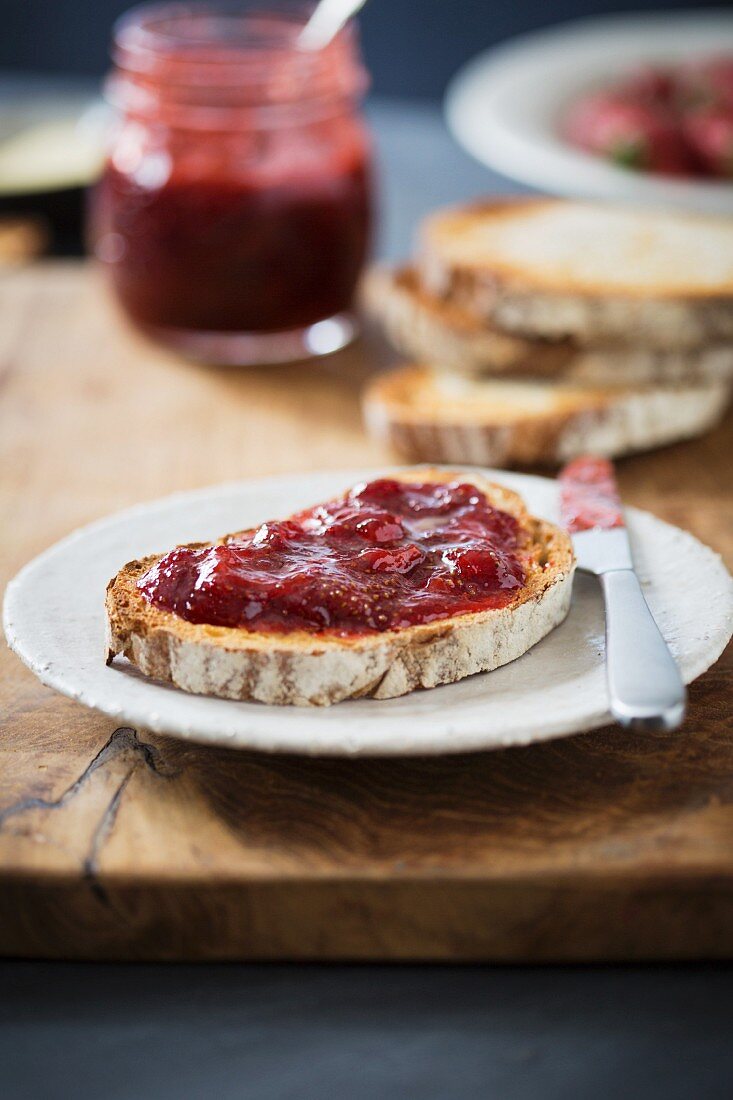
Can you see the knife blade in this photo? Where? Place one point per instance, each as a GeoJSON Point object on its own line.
{"type": "Point", "coordinates": [645, 689]}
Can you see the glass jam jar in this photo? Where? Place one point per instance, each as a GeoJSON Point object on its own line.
{"type": "Point", "coordinates": [233, 214]}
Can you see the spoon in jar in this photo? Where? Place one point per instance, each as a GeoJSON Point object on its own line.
{"type": "Point", "coordinates": [329, 17]}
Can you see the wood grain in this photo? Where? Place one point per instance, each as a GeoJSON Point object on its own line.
{"type": "Point", "coordinates": [117, 844]}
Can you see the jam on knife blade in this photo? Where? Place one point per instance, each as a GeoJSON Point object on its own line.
{"type": "Point", "coordinates": [589, 496]}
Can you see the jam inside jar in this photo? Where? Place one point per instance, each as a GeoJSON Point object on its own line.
{"type": "Point", "coordinates": [233, 214]}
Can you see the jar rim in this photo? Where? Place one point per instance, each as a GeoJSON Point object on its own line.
{"type": "Point", "coordinates": [242, 55]}
{"type": "Point", "coordinates": [220, 30]}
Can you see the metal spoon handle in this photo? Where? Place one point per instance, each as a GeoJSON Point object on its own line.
{"type": "Point", "coordinates": [645, 688]}
{"type": "Point", "coordinates": [326, 21]}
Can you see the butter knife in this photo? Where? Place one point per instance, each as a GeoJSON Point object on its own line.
{"type": "Point", "coordinates": [645, 689]}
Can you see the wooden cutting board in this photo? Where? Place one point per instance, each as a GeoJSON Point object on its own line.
{"type": "Point", "coordinates": [116, 844]}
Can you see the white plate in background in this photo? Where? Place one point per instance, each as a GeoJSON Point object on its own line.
{"type": "Point", "coordinates": [504, 106]}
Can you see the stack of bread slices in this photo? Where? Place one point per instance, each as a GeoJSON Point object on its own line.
{"type": "Point", "coordinates": [539, 329]}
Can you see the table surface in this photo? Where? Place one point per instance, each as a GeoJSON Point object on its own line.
{"type": "Point", "coordinates": [282, 1031]}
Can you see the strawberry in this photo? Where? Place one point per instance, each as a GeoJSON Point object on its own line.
{"type": "Point", "coordinates": [709, 132]}
{"type": "Point", "coordinates": [705, 84]}
{"type": "Point", "coordinates": [650, 84]}
{"type": "Point", "coordinates": [636, 135]}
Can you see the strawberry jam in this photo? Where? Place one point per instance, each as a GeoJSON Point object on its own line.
{"type": "Point", "coordinates": [387, 555]}
{"type": "Point", "coordinates": [236, 198]}
{"type": "Point", "coordinates": [215, 253]}
{"type": "Point", "coordinates": [589, 496]}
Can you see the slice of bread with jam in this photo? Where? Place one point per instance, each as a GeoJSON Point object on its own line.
{"type": "Point", "coordinates": [409, 581]}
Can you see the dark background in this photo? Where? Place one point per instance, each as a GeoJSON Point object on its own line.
{"type": "Point", "coordinates": [413, 47]}
{"type": "Point", "coordinates": [135, 1032]}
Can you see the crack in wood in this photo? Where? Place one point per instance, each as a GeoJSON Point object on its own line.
{"type": "Point", "coordinates": [123, 739]}
{"type": "Point", "coordinates": [103, 829]}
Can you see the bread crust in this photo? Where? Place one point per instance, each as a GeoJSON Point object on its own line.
{"type": "Point", "coordinates": [413, 411]}
{"type": "Point", "coordinates": [303, 669]}
{"type": "Point", "coordinates": [449, 337]}
{"type": "Point", "coordinates": [557, 303]}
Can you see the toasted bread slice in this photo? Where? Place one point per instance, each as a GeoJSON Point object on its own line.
{"type": "Point", "coordinates": [449, 337]}
{"type": "Point", "coordinates": [309, 668]}
{"type": "Point", "coordinates": [431, 417]}
{"type": "Point", "coordinates": [596, 272]}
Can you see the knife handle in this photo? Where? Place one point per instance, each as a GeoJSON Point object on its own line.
{"type": "Point", "coordinates": [645, 689]}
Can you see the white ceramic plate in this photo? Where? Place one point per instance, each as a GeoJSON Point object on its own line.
{"type": "Point", "coordinates": [504, 106]}
{"type": "Point", "coordinates": [53, 618]}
